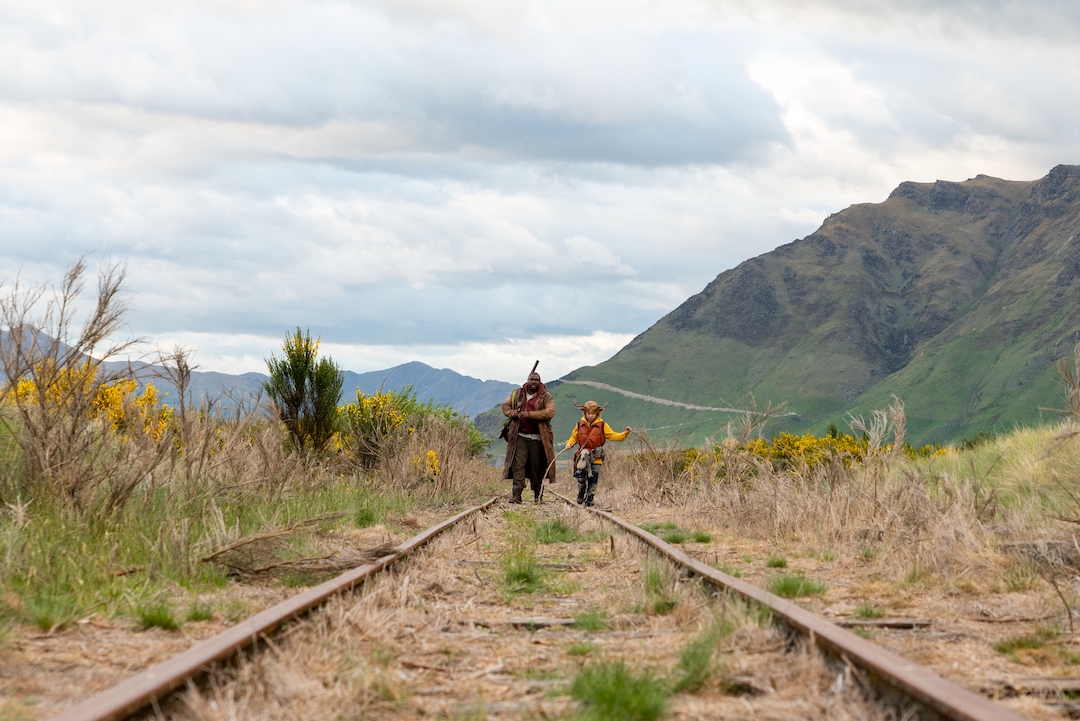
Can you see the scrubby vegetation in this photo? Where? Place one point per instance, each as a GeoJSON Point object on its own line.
{"type": "Point", "coordinates": [117, 501]}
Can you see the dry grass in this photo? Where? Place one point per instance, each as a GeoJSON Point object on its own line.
{"type": "Point", "coordinates": [910, 539]}
{"type": "Point", "coordinates": [435, 638]}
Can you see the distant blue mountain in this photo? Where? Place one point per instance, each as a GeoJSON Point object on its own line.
{"type": "Point", "coordinates": [466, 395]}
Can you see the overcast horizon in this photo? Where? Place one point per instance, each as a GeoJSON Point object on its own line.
{"type": "Point", "coordinates": [475, 185]}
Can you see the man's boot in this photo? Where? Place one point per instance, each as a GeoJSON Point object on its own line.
{"type": "Point", "coordinates": [516, 497]}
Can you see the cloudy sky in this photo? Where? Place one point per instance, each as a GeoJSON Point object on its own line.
{"type": "Point", "coordinates": [476, 184]}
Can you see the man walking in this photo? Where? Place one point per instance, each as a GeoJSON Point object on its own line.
{"type": "Point", "coordinates": [530, 447]}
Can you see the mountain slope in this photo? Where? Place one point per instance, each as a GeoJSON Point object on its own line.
{"type": "Point", "coordinates": [954, 296]}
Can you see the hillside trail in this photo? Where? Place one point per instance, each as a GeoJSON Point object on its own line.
{"type": "Point", "coordinates": [498, 616]}
{"type": "Point", "coordinates": [660, 401]}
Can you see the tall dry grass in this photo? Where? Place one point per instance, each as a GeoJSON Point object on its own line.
{"type": "Point", "coordinates": [944, 515]}
{"type": "Point", "coordinates": [97, 513]}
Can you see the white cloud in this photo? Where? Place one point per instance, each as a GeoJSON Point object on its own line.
{"type": "Point", "coordinates": [420, 177]}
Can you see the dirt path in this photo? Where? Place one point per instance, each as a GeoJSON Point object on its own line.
{"type": "Point", "coordinates": [654, 399]}
{"type": "Point", "coordinates": [505, 616]}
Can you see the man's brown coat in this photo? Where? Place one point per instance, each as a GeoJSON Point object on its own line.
{"type": "Point", "coordinates": [545, 411]}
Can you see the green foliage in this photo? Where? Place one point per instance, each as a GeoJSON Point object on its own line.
{"type": "Point", "coordinates": [701, 537]}
{"type": "Point", "coordinates": [156, 613]}
{"type": "Point", "coordinates": [776, 562]}
{"type": "Point", "coordinates": [521, 571]}
{"type": "Point", "coordinates": [306, 390]}
{"type": "Point", "coordinates": [795, 586]}
{"type": "Point", "coordinates": [660, 596]}
{"type": "Point", "coordinates": [696, 662]}
{"type": "Point", "coordinates": [378, 425]}
{"type": "Point", "coordinates": [581, 649]}
{"type": "Point", "coordinates": [592, 620]}
{"type": "Point", "coordinates": [60, 565]}
{"type": "Point", "coordinates": [675, 536]}
{"type": "Point", "coordinates": [730, 570]}
{"type": "Point", "coordinates": [556, 531]}
{"type": "Point", "coordinates": [614, 692]}
{"type": "Point", "coordinates": [200, 611]}
{"type": "Point", "coordinates": [49, 612]}
{"type": "Point", "coordinates": [373, 508]}
{"type": "Point", "coordinates": [868, 610]}
{"type": "Point", "coordinates": [979, 439]}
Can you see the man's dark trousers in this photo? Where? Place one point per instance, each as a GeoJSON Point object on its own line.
{"type": "Point", "coordinates": [530, 462]}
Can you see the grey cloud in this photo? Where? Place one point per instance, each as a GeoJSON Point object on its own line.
{"type": "Point", "coordinates": [681, 97]}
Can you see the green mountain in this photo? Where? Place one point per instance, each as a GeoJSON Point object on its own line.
{"type": "Point", "coordinates": [955, 297]}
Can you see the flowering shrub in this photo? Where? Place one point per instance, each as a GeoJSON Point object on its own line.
{"type": "Point", "coordinates": [117, 404]}
{"type": "Point", "coordinates": [378, 425]}
{"type": "Point", "coordinates": [784, 451]}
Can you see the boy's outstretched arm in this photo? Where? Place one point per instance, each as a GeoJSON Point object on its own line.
{"type": "Point", "coordinates": [612, 435]}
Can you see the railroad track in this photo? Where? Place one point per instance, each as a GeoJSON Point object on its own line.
{"type": "Point", "coordinates": [495, 614]}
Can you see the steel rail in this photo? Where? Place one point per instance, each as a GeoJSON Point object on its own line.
{"type": "Point", "coordinates": [147, 687]}
{"type": "Point", "coordinates": [909, 679]}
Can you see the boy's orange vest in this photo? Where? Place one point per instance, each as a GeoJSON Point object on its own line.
{"type": "Point", "coordinates": [590, 435]}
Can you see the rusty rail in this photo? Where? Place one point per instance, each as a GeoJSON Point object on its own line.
{"type": "Point", "coordinates": [145, 688]}
{"type": "Point", "coordinates": [909, 679]}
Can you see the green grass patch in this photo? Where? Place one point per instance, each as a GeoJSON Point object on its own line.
{"type": "Point", "coordinates": [701, 537]}
{"type": "Point", "coordinates": [521, 572]}
{"type": "Point", "coordinates": [795, 586]}
{"type": "Point", "coordinates": [654, 527]}
{"type": "Point", "coordinates": [298, 579]}
{"type": "Point", "coordinates": [372, 509]}
{"type": "Point", "coordinates": [556, 531]}
{"type": "Point", "coordinates": [200, 611]}
{"type": "Point", "coordinates": [747, 559]}
{"type": "Point", "coordinates": [61, 564]}
{"type": "Point", "coordinates": [696, 664]}
{"type": "Point", "coordinates": [50, 612]}
{"type": "Point", "coordinates": [868, 610]}
{"type": "Point", "coordinates": [582, 649]}
{"type": "Point", "coordinates": [674, 536]}
{"type": "Point", "coordinates": [660, 595]}
{"type": "Point", "coordinates": [828, 555]}
{"type": "Point", "coordinates": [776, 562]}
{"type": "Point", "coordinates": [614, 692]}
{"type": "Point", "coordinates": [592, 620]}
{"type": "Point", "coordinates": [1011, 645]}
{"type": "Point", "coordinates": [868, 551]}
{"type": "Point", "coordinates": [730, 570]}
{"type": "Point", "coordinates": [157, 614]}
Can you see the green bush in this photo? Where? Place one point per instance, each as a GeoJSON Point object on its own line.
{"type": "Point", "coordinates": [306, 390]}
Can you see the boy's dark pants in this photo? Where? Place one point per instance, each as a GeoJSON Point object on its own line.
{"type": "Point", "coordinates": [586, 485]}
{"type": "Point", "coordinates": [530, 461]}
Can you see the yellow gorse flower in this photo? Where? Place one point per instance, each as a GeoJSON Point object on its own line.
{"type": "Point", "coordinates": [116, 403]}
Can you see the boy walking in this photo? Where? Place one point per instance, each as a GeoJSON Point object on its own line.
{"type": "Point", "coordinates": [590, 434]}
